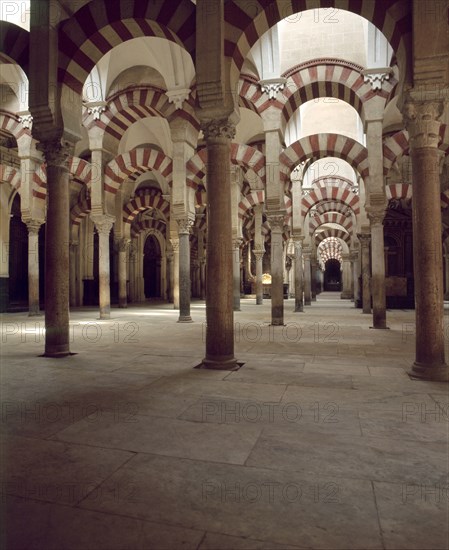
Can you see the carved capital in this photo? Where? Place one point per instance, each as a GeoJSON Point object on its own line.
{"type": "Point", "coordinates": [96, 109]}
{"type": "Point", "coordinates": [218, 129]}
{"type": "Point", "coordinates": [276, 221]}
{"type": "Point", "coordinates": [175, 245]}
{"type": "Point", "coordinates": [177, 96]}
{"type": "Point", "coordinates": [184, 226]}
{"type": "Point", "coordinates": [272, 86]}
{"type": "Point", "coordinates": [376, 215]}
{"type": "Point", "coordinates": [421, 121]}
{"type": "Point", "coordinates": [376, 77]}
{"type": "Point", "coordinates": [26, 119]}
{"type": "Point", "coordinates": [33, 226]}
{"type": "Point", "coordinates": [57, 152]}
{"type": "Point", "coordinates": [237, 243]}
{"type": "Point", "coordinates": [259, 254]}
{"type": "Point", "coordinates": [365, 239]}
{"type": "Point", "coordinates": [103, 224]}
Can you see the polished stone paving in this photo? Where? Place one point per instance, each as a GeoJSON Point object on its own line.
{"type": "Point", "coordinates": [321, 440]}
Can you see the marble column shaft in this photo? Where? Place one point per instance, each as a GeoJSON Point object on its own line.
{"type": "Point", "coordinates": [299, 279]}
{"type": "Point", "coordinates": [276, 221]}
{"type": "Point", "coordinates": [219, 292]}
{"type": "Point", "coordinates": [175, 271]}
{"type": "Point", "coordinates": [236, 273]}
{"type": "Point", "coordinates": [123, 247]}
{"type": "Point", "coordinates": [378, 268]}
{"type": "Point", "coordinates": [365, 239]}
{"type": "Point", "coordinates": [103, 226]}
{"type": "Point", "coordinates": [307, 277]}
{"type": "Point", "coordinates": [57, 275]}
{"type": "Point", "coordinates": [259, 254]}
{"type": "Point", "coordinates": [33, 267]}
{"type": "Point", "coordinates": [423, 125]}
{"type": "Point", "coordinates": [185, 283]}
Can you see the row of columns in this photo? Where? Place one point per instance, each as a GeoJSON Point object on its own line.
{"type": "Point", "coordinates": [423, 125]}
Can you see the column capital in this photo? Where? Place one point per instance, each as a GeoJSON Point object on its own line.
{"type": "Point", "coordinates": [365, 239]}
{"type": "Point", "coordinates": [421, 121]}
{"type": "Point", "coordinates": [73, 245]}
{"type": "Point", "coordinates": [259, 253]}
{"type": "Point", "coordinates": [219, 129]}
{"type": "Point", "coordinates": [375, 215]}
{"type": "Point", "coordinates": [276, 220]}
{"type": "Point", "coordinates": [56, 152]}
{"type": "Point", "coordinates": [103, 224]}
{"type": "Point", "coordinates": [175, 244]}
{"type": "Point", "coordinates": [237, 242]}
{"type": "Point", "coordinates": [34, 226]}
{"type": "Point", "coordinates": [184, 225]}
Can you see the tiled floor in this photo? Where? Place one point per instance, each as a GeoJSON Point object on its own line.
{"type": "Point", "coordinates": [321, 440]}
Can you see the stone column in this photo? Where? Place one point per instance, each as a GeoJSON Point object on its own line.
{"type": "Point", "coordinates": [33, 267]}
{"type": "Point", "coordinates": [276, 221]}
{"type": "Point", "coordinates": [365, 239]}
{"type": "Point", "coordinates": [219, 294]}
{"type": "Point", "coordinates": [123, 247]}
{"type": "Point", "coordinates": [423, 125]}
{"type": "Point", "coordinates": [202, 266]}
{"type": "Point", "coordinates": [313, 266]}
{"type": "Point", "coordinates": [355, 276]}
{"type": "Point", "coordinates": [132, 272]}
{"type": "Point", "coordinates": [376, 217]}
{"type": "Point", "coordinates": [259, 254]}
{"type": "Point", "coordinates": [346, 287]}
{"type": "Point", "coordinates": [57, 249]}
{"type": "Point", "coordinates": [73, 263]}
{"type": "Point", "coordinates": [175, 272]}
{"type": "Point", "coordinates": [307, 252]}
{"type": "Point", "coordinates": [185, 285]}
{"type": "Point", "coordinates": [299, 284]}
{"type": "Point", "coordinates": [169, 257]}
{"type": "Point", "coordinates": [103, 226]}
{"type": "Point", "coordinates": [236, 243]}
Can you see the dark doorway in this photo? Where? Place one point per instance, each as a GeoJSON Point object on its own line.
{"type": "Point", "coordinates": [152, 267]}
{"type": "Point", "coordinates": [332, 276]}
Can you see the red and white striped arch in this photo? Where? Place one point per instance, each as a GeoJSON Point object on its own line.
{"type": "Point", "coordinates": [11, 124]}
{"type": "Point", "coordinates": [249, 201]}
{"type": "Point", "coordinates": [246, 22]}
{"type": "Point", "coordinates": [80, 211]}
{"type": "Point", "coordinates": [129, 106]}
{"type": "Point", "coordinates": [325, 145]}
{"type": "Point", "coordinates": [146, 200]}
{"type": "Point", "coordinates": [334, 194]}
{"type": "Point", "coordinates": [398, 144]}
{"type": "Point", "coordinates": [331, 217]}
{"type": "Point", "coordinates": [157, 225]}
{"type": "Point", "coordinates": [399, 191]}
{"type": "Point", "coordinates": [321, 236]}
{"type": "Point", "coordinates": [80, 174]}
{"type": "Point", "coordinates": [100, 25]}
{"type": "Point", "coordinates": [329, 78]}
{"type": "Point", "coordinates": [14, 45]}
{"type": "Point", "coordinates": [249, 158]}
{"type": "Point", "coordinates": [134, 163]}
{"type": "Point", "coordinates": [10, 175]}
{"type": "Point", "coordinates": [330, 249]}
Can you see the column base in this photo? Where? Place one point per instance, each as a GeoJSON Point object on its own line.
{"type": "Point", "coordinates": [230, 364]}
{"type": "Point", "coordinates": [381, 328]}
{"type": "Point", "coordinates": [429, 372]}
{"type": "Point", "coordinates": [185, 319]}
{"type": "Point", "coordinates": [259, 301]}
{"type": "Point", "coordinates": [123, 306]}
{"type": "Point", "coordinates": [57, 353]}
{"type": "Point", "coordinates": [34, 314]}
{"type": "Point", "coordinates": [298, 310]}
{"type": "Point", "coordinates": [277, 323]}
{"type": "Point", "coordinates": [346, 296]}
